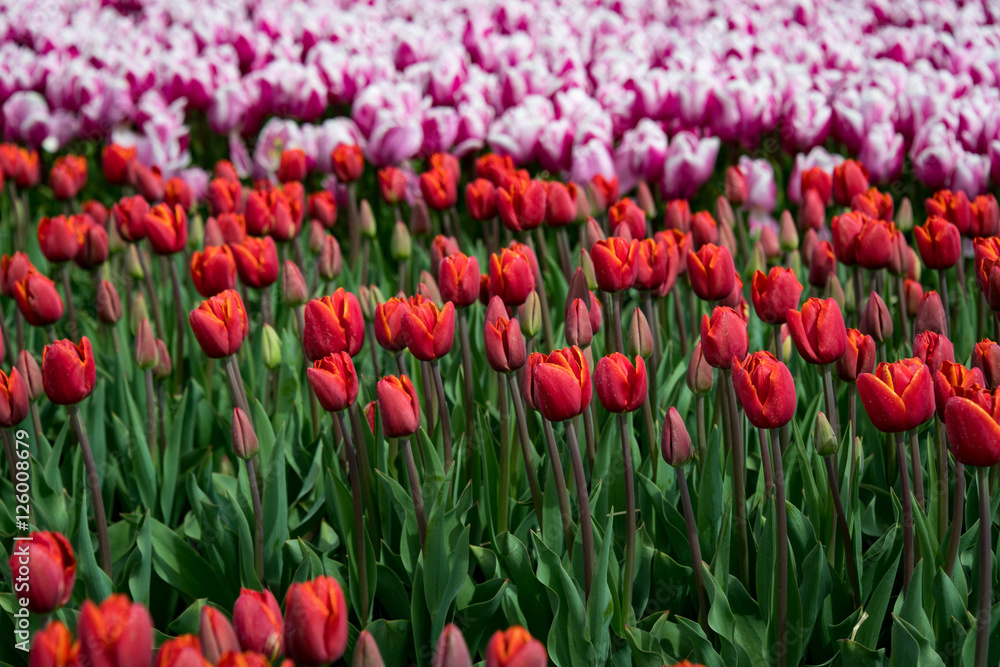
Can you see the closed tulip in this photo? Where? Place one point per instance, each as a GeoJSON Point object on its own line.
{"type": "Point", "coordinates": [323, 207]}
{"type": "Point", "coordinates": [480, 199]}
{"type": "Point", "coordinates": [177, 192]}
{"type": "Point", "coordinates": [93, 250]}
{"type": "Point", "coordinates": [216, 634]}
{"type": "Point", "coordinates": [953, 379]}
{"type": "Point", "coordinates": [398, 406]}
{"type": "Point", "coordinates": [269, 213]}
{"type": "Point", "coordinates": [711, 272]}
{"type": "Point", "coordinates": [166, 229]}
{"type": "Point", "coordinates": [502, 338]}
{"type": "Point", "coordinates": [224, 196]}
{"type": "Point", "coordinates": [117, 633]}
{"type": "Point", "coordinates": [182, 651]}
{"type": "Point", "coordinates": [652, 264]}
{"type": "Point", "coordinates": [987, 266]}
{"type": "Point", "coordinates": [699, 373]}
{"type": "Point", "coordinates": [317, 611]}
{"type": "Point", "coordinates": [220, 324]}
{"type": "Point", "coordinates": [898, 396]}
{"type": "Point", "coordinates": [626, 212]}
{"type": "Point", "coordinates": [704, 229]}
{"type": "Point", "coordinates": [858, 358]}
{"type": "Point", "coordinates": [293, 286]}
{"type": "Point", "coordinates": [96, 211]}
{"type": "Point", "coordinates": [559, 384]}
{"type": "Point", "coordinates": [818, 331]}
{"type": "Point", "coordinates": [68, 176]}
{"type": "Point", "coordinates": [213, 270]}
{"type": "Point", "coordinates": [939, 243]}
{"type": "Point", "coordinates": [231, 227]}
{"type": "Point", "coordinates": [441, 247]}
{"type": "Point", "coordinates": [451, 649]}
{"type": "Point", "coordinates": [850, 178]}
{"type": "Point", "coordinates": [13, 269]}
{"type": "Point", "coordinates": [163, 362]}
{"type": "Point", "coordinates": [986, 357]}
{"type": "Point", "coordinates": [723, 336]}
{"type": "Point", "coordinates": [68, 371]}
{"type": "Point", "coordinates": [388, 321]}
{"type": "Point", "coordinates": [116, 162]}
{"type": "Point", "coordinates": [616, 263]}
{"type": "Point", "coordinates": [391, 185]}
{"type": "Point", "coordinates": [348, 162]}
{"type": "Point", "coordinates": [57, 238]}
{"type": "Point", "coordinates": [515, 647]}
{"type": "Point", "coordinates": [145, 346]}
{"type": "Point", "coordinates": [677, 215]}
{"type": "Point", "coordinates": [812, 212]}
{"type": "Point", "coordinates": [292, 166]}
{"type": "Point", "coordinates": [129, 215]}
{"type": "Point", "coordinates": [458, 279]}
{"type": "Point", "coordinates": [875, 320]}
{"type": "Point", "coordinates": [333, 324]}
{"type": "Point", "coordinates": [930, 314]}
{"type": "Point", "coordinates": [737, 188]}
{"type": "Point", "coordinates": [511, 277]}
{"type": "Point", "coordinates": [578, 329]}
{"type": "Point", "coordinates": [256, 261]}
{"type": "Point", "coordinates": [985, 219]}
{"type": "Point", "coordinates": [366, 653]}
{"type": "Point", "coordinates": [148, 182]}
{"type": "Point", "coordinates": [765, 389]}
{"type": "Point", "coordinates": [521, 205]}
{"type": "Point", "coordinates": [560, 203]}
{"type": "Point", "coordinates": [331, 260]}
{"type": "Point", "coordinates": [54, 647]}
{"type": "Point", "coordinates": [873, 247]}
{"type": "Point", "coordinates": [620, 385]}
{"type": "Point", "coordinates": [38, 300]}
{"type": "Point", "coordinates": [973, 428]}
{"type": "Point", "coordinates": [43, 569]}
{"type": "Point", "coordinates": [675, 441]}
{"type": "Point", "coordinates": [845, 230]}
{"type": "Point", "coordinates": [14, 398]}
{"type": "Point", "coordinates": [429, 331]}
{"type": "Point", "coordinates": [774, 294]}
{"type": "Point", "coordinates": [257, 622]}
{"type": "Point", "coordinates": [334, 381]}
{"type": "Point", "coordinates": [914, 294]}
{"type": "Point", "coordinates": [438, 189]}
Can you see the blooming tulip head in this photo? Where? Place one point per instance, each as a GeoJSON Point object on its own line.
{"type": "Point", "coordinates": [399, 406]}
{"type": "Point", "coordinates": [68, 176]}
{"type": "Point", "coordinates": [68, 371]}
{"type": "Point", "coordinates": [269, 212]}
{"type": "Point", "coordinates": [292, 166]}
{"type": "Point", "coordinates": [213, 270]}
{"type": "Point", "coordinates": [955, 379]}
{"type": "Point", "coordinates": [655, 261]}
{"type": "Point", "coordinates": [480, 199]}
{"type": "Point", "coordinates": [850, 178]}
{"type": "Point", "coordinates": [973, 428]}
{"type": "Point", "coordinates": [818, 331]}
{"type": "Point", "coordinates": [38, 300]}
{"type": "Point", "coordinates": [873, 245]}
{"type": "Point", "coordinates": [256, 261]}
{"type": "Point", "coordinates": [220, 324]}
{"type": "Point", "coordinates": [458, 279]}
{"type": "Point", "coordinates": [621, 385]}
{"type": "Point", "coordinates": [560, 203]}
{"type": "Point", "coordinates": [521, 204]}
{"type": "Point", "coordinates": [323, 207]}
{"type": "Point", "coordinates": [438, 189]}
{"type": "Point", "coordinates": [14, 397]}
{"type": "Point", "coordinates": [711, 272]}
{"type": "Point", "coordinates": [511, 276]}
{"type": "Point", "coordinates": [723, 337]}
{"type": "Point", "coordinates": [117, 633]}
{"type": "Point", "coordinates": [182, 651]}
{"type": "Point", "coordinates": [93, 240]}
{"type": "Point", "coordinates": [559, 384]}
{"type": "Point", "coordinates": [859, 356]}
{"type": "Point", "coordinates": [765, 389]}
{"type": "Point", "coordinates": [224, 196]}
{"type": "Point", "coordinates": [515, 647]}
{"type": "Point", "coordinates": [116, 163]}
{"type": "Point", "coordinates": [388, 321]}
{"type": "Point", "coordinates": [625, 212]}
{"type": "Point", "coordinates": [54, 647]}
{"type": "Point", "coordinates": [898, 396]}
{"type": "Point", "coordinates": [57, 237]}
{"type": "Point", "coordinates": [166, 229]}
{"type": "Point", "coordinates": [775, 293]}
{"type": "Point", "coordinates": [348, 162]}
{"type": "Point", "coordinates": [986, 357]}
{"type": "Point", "coordinates": [333, 324]}
{"type": "Point", "coordinates": [334, 381]}
{"type": "Point", "coordinates": [429, 331]}
{"type": "Point", "coordinates": [616, 263]}
{"type": "Point", "coordinates": [939, 243]}
{"type": "Point", "coordinates": [504, 343]}
{"type": "Point", "coordinates": [257, 622]}
{"type": "Point", "coordinates": [47, 563]}
{"type": "Point", "coordinates": [13, 269]}
{"type": "Point", "coordinates": [317, 611]}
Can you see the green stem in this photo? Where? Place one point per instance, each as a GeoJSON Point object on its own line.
{"type": "Point", "coordinates": [629, 516]}
{"type": "Point", "coordinates": [907, 502]}
{"type": "Point", "coordinates": [985, 570]}
{"type": "Point", "coordinates": [471, 442]}
{"type": "Point", "coordinates": [416, 491]}
{"type": "Point", "coordinates": [616, 301]}
{"type": "Point", "coordinates": [526, 452]}
{"type": "Point", "coordinates": [765, 457]}
{"type": "Point", "coordinates": [503, 490]}
{"type": "Point", "coordinates": [739, 483]}
{"type": "Point", "coordinates": [586, 518]}
{"type": "Point", "coordinates": [150, 415]}
{"type": "Point", "coordinates": [957, 518]}
{"type": "Point", "coordinates": [181, 324]}
{"type": "Point", "coordinates": [561, 493]}
{"type": "Point", "coordinates": [94, 483]}
{"type": "Point", "coordinates": [781, 589]}
{"type": "Point", "coordinates": [845, 533]}
{"type": "Point", "coordinates": [695, 545]}
{"type": "Point", "coordinates": [445, 415]}
{"type": "Point", "coordinates": [361, 552]}
{"type": "Point", "coordinates": [918, 469]}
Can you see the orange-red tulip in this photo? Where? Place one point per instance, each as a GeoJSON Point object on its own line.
{"type": "Point", "coordinates": [220, 324]}
{"type": "Point", "coordinates": [458, 279]}
{"type": "Point", "coordinates": [711, 272]}
{"type": "Point", "coordinates": [850, 178]}
{"type": "Point", "coordinates": [765, 389]}
{"type": "Point", "coordinates": [213, 270]}
{"type": "Point", "coordinates": [68, 371]}
{"type": "Point", "coordinates": [621, 385]}
{"type": "Point", "coordinates": [515, 647]}
{"type": "Point", "coordinates": [898, 396]}
{"type": "Point", "coordinates": [559, 385]}
{"type": "Point", "coordinates": [256, 261]}
{"type": "Point", "coordinates": [955, 380]}
{"type": "Point", "coordinates": [333, 324]}
{"type": "Point", "coordinates": [116, 162]}
{"type": "Point", "coordinates": [182, 651]}
{"type": "Point", "coordinates": [117, 633]}
{"type": "Point", "coordinates": [818, 331]}
{"type": "Point", "coordinates": [511, 276]}
{"type": "Point", "coordinates": [57, 238]}
{"type": "Point", "coordinates": [503, 341]}
{"type": "Point", "coordinates": [348, 162]}
{"type": "Point", "coordinates": [775, 293]}
{"type": "Point", "coordinates": [43, 570]}
{"type": "Point", "coordinates": [334, 381]}
{"type": "Point", "coordinates": [224, 196]}
{"type": "Point", "coordinates": [398, 405]}
{"type": "Point", "coordinates": [258, 623]}
{"type": "Point", "coordinates": [939, 243]}
{"type": "Point", "coordinates": [616, 263]}
{"type": "Point", "coordinates": [521, 205]}
{"type": "Point", "coordinates": [54, 647]}
{"type": "Point", "coordinates": [973, 429]}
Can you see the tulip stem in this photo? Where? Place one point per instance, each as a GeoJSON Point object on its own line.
{"type": "Point", "coordinates": [765, 457]}
{"type": "Point", "coordinates": [471, 443]}
{"type": "Point", "coordinates": [629, 516]}
{"type": "Point", "coordinates": [400, 363]}
{"type": "Point", "coordinates": [8, 448]}
{"type": "Point", "coordinates": [258, 517]}
{"type": "Point", "coordinates": [739, 484]}
{"type": "Point", "coordinates": [543, 298]}
{"type": "Point", "coordinates": [856, 279]}
{"type": "Point", "coordinates": [957, 518]}
{"type": "Point", "coordinates": [445, 416]}
{"type": "Point", "coordinates": [353, 224]}
{"type": "Point", "coordinates": [36, 419]}
{"type": "Point", "coordinates": [695, 545]}
{"type": "Point", "coordinates": [702, 445]}
{"type": "Point", "coordinates": [907, 502]}
{"type": "Point", "coordinates": [586, 519]}
{"type": "Point", "coordinates": [831, 400]}
{"type": "Point", "coordinates": [918, 470]}
{"type": "Point", "coordinates": [616, 305]}
{"type": "Point", "coordinates": [150, 414]}
{"type": "Point", "coordinates": [681, 322]}
{"type": "Point", "coordinates": [650, 308]}
{"type": "Point", "coordinates": [367, 479]}
{"type": "Point", "coordinates": [845, 533]}
{"type": "Point", "coordinates": [503, 490]}
{"type": "Point", "coordinates": [526, 451]}
{"type": "Point", "coordinates": [946, 300]}
{"type": "Point", "coordinates": [70, 308]}
{"type": "Point", "coordinates": [154, 302]}
{"type": "Point", "coordinates": [181, 324]}
{"type": "Point", "coordinates": [416, 491]}
{"type": "Point", "coordinates": [361, 553]}
{"type": "Point", "coordinates": [781, 587]}
{"type": "Point", "coordinates": [741, 234]}
{"type": "Point", "coordinates": [561, 493]}
{"type": "Point", "coordinates": [589, 436]}
{"type": "Point", "coordinates": [904, 319]}
{"type": "Point", "coordinates": [94, 482]}
{"type": "Point", "coordinates": [565, 258]}
{"type": "Point", "coordinates": [650, 423]}
{"type": "Point", "coordinates": [942, 481]}
{"type": "Point", "coordinates": [985, 570]}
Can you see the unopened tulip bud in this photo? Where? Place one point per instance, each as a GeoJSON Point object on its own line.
{"type": "Point", "coordinates": [216, 633]}
{"type": "Point", "coordinates": [737, 187]}
{"type": "Point", "coordinates": [451, 650]}
{"type": "Point", "coordinates": [530, 315]}
{"type": "Point", "coordinates": [795, 263]}
{"type": "Point", "coordinates": [428, 288]}
{"type": "Point", "coordinates": [583, 209]}
{"type": "Point", "coordinates": [420, 219]}
{"type": "Point", "coordinates": [196, 231]}
{"type": "Point", "coordinates": [809, 242]}
{"type": "Point", "coordinates": [727, 238]}
{"type": "Point", "coordinates": [245, 443]}
{"type": "Point", "coordinates": [132, 264]}
{"type": "Point", "coordinates": [594, 233]}
{"type": "Point", "coordinates": [823, 437]}
{"type": "Point", "coordinates": [366, 653]}
{"type": "Point", "coordinates": [145, 346]}
{"type": "Point", "coordinates": [758, 260]}
{"type": "Point", "coordinates": [675, 441]}
{"type": "Point", "coordinates": [914, 292]}
{"type": "Point", "coordinates": [930, 314]}
{"type": "Point", "coordinates": [213, 234]}
{"type": "Point", "coordinates": [400, 246]}
{"type": "Point", "coordinates": [724, 212]}
{"type": "Point", "coordinates": [367, 219]}
{"type": "Point", "coordinates": [875, 320]}
{"type": "Point", "coordinates": [317, 236]}
{"type": "Point", "coordinates": [138, 312]}
{"type": "Point", "coordinates": [699, 373]}
{"type": "Point", "coordinates": [163, 363]}
{"type": "Point", "coordinates": [904, 215]}
{"type": "Point", "coordinates": [578, 330]}
{"type": "Point", "coordinates": [587, 264]}
{"type": "Point", "coordinates": [293, 285]}
{"type": "Point", "coordinates": [640, 338]}
{"type": "Point", "coordinates": [109, 306]}
{"type": "Point", "coordinates": [271, 348]}
{"type": "Point", "coordinates": [115, 241]}
{"type": "Point", "coordinates": [789, 236]}
{"type": "Point", "coordinates": [31, 374]}
{"type": "Point", "coordinates": [330, 260]}
{"type": "Point", "coordinates": [915, 266]}
{"type": "Point", "coordinates": [644, 199]}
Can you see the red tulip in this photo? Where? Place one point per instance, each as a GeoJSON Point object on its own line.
{"type": "Point", "coordinates": [973, 429]}
{"type": "Point", "coordinates": [849, 178]}
{"type": "Point", "coordinates": [987, 264]}
{"type": "Point", "coordinates": [109, 305]}
{"type": "Point", "coordinates": [177, 192]}
{"type": "Point", "coordinates": [458, 279]}
{"type": "Point", "coordinates": [986, 357]}
{"type": "Point", "coordinates": [57, 238]}
{"type": "Point", "coordinates": [68, 176]}
{"type": "Point", "coordinates": [323, 207]}
{"type": "Point", "coordinates": [711, 272]}
{"type": "Point", "coordinates": [14, 398]}
{"type": "Point", "coordinates": [812, 212]}
{"type": "Point", "coordinates": [579, 330]}
{"type": "Point", "coordinates": [220, 324]}
{"type": "Point", "coordinates": [116, 162]}
{"type": "Point", "coordinates": [561, 203]}
{"type": "Point", "coordinates": [723, 336]}
{"type": "Point", "coordinates": [258, 623]}
{"type": "Point", "coordinates": [873, 246]}
{"type": "Point", "coordinates": [492, 166]}
{"type": "Point", "coordinates": [914, 294]}
{"type": "Point", "coordinates": [348, 162]}
{"type": "Point", "coordinates": [451, 650]}
{"type": "Point", "coordinates": [148, 182]}
{"type": "Point", "coordinates": [38, 300]}
{"type": "Point", "coordinates": [428, 331]}
{"type": "Point", "coordinates": [256, 261]}
{"type": "Point", "coordinates": [939, 243]}
{"type": "Point", "coordinates": [441, 247]}
{"type": "Point", "coordinates": [391, 185]}
{"type": "Point", "coordinates": [68, 371]}
{"type": "Point", "coordinates": [399, 406]}
{"type": "Point", "coordinates": [930, 314]}
{"type": "Point", "coordinates": [504, 344]}
{"type": "Point", "coordinates": [227, 229]}
{"type": "Point", "coordinates": [293, 165]}
{"type": "Point", "coordinates": [511, 276]}
{"type": "Point", "coordinates": [845, 229]}
{"type": "Point", "coordinates": [54, 647]}
{"type": "Point", "coordinates": [820, 181]}
{"type": "Point", "coordinates": [625, 212]}
{"type": "Point", "coordinates": [438, 189]}
{"type": "Point", "coordinates": [985, 219]}
{"type": "Point", "coordinates": [166, 228]}
{"type": "Point", "coordinates": [335, 381]}
{"type": "Point", "coordinates": [521, 205]}
{"type": "Point", "coordinates": [213, 270]}
{"type": "Point", "coordinates": [818, 331]}
{"type": "Point", "coordinates": [775, 294]}
{"type": "Point", "coordinates": [955, 380]}
{"type": "Point", "coordinates": [216, 632]}
{"type": "Point", "coordinates": [621, 386]}
{"type": "Point", "coordinates": [480, 199]}
{"type": "Point", "coordinates": [559, 385]}
{"type": "Point", "coordinates": [616, 263]}
{"type": "Point", "coordinates": [737, 188]}
{"type": "Point", "coordinates": [675, 441]}
{"type": "Point", "coordinates": [317, 612]}
{"type": "Point", "coordinates": [607, 189]}
{"type": "Point", "coordinates": [858, 358]}
{"type": "Point", "coordinates": [874, 204]}
{"type": "Point", "coordinates": [246, 659]}
{"type": "Point", "coordinates": [704, 229]}
{"type": "Point", "coordinates": [898, 396]}
{"type": "Point", "coordinates": [652, 263]}
{"type": "Point", "coordinates": [117, 633]}
{"type": "Point", "coordinates": [271, 213]}
{"type": "Point", "coordinates": [333, 324]}
{"type": "Point", "coordinates": [953, 206]}
{"type": "Point", "coordinates": [875, 320]}
{"type": "Point", "coordinates": [515, 647]}
{"type": "Point", "coordinates": [43, 569]}
{"type": "Point", "coordinates": [182, 651]}
{"type": "Point", "coordinates": [678, 215]}
{"type": "Point", "coordinates": [765, 389]}
{"type": "Point", "coordinates": [93, 240]}
{"type": "Point", "coordinates": [13, 269]}
{"type": "Point", "coordinates": [388, 321]}
{"type": "Point", "coordinates": [224, 196]}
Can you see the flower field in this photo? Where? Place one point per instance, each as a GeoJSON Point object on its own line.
{"type": "Point", "coordinates": [511, 334]}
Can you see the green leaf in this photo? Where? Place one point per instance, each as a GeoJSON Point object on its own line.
{"type": "Point", "coordinates": [95, 580]}
{"type": "Point", "coordinates": [600, 608]}
{"type": "Point", "coordinates": [138, 583]}
{"type": "Point", "coordinates": [853, 654]}
{"type": "Point", "coordinates": [563, 639]}
{"type": "Point", "coordinates": [516, 564]}
{"type": "Point", "coordinates": [275, 495]}
{"type": "Point", "coordinates": [179, 565]}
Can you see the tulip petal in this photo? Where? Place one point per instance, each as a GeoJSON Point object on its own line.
{"type": "Point", "coordinates": [885, 409]}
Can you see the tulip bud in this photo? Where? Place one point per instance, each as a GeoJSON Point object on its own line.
{"type": "Point", "coordinates": [45, 563]}
{"type": "Point", "coordinates": [330, 260]}
{"type": "Point", "coordinates": [640, 338]}
{"type": "Point", "coordinates": [317, 236]}
{"type": "Point", "coordinates": [196, 231]}
{"type": "Point", "coordinates": [428, 288]}
{"type": "Point", "coordinates": [875, 320]}
{"type": "Point", "coordinates": [675, 441]}
{"type": "Point", "coordinates": [145, 346]}
{"type": "Point", "coordinates": [163, 363]}
{"type": "Point", "coordinates": [699, 373]}
{"type": "Point", "coordinates": [578, 329]}
{"type": "Point", "coordinates": [594, 233]}
{"type": "Point", "coordinates": [587, 264]}
{"type": "Point", "coordinates": [400, 246]}
{"type": "Point", "coordinates": [644, 199]}
{"type": "Point", "coordinates": [915, 267]}
{"type": "Point", "coordinates": [795, 263]}
{"type": "Point", "coordinates": [904, 215]}
{"type": "Point", "coordinates": [375, 297]}
{"type": "Point", "coordinates": [420, 219]}
{"type": "Point", "coordinates": [257, 622]}
{"type": "Point", "coordinates": [245, 443]}
{"type": "Point", "coordinates": [530, 315]}
{"type": "Point", "coordinates": [789, 236]}
{"type": "Point", "coordinates": [293, 286]}
{"type": "Point", "coordinates": [271, 348]}
{"type": "Point", "coordinates": [366, 652]}
{"type": "Point", "coordinates": [367, 219]}
{"type": "Point", "coordinates": [451, 650]}
{"type": "Point", "coordinates": [30, 373]}
{"type": "Point", "coordinates": [823, 437]}
{"type": "Point", "coordinates": [758, 260]}
{"type": "Point", "coordinates": [728, 239]}
{"type": "Point", "coordinates": [930, 314]}
{"type": "Point", "coordinates": [117, 632]}
{"type": "Point", "coordinates": [583, 209]}
{"type": "Point", "coordinates": [737, 187]}
{"type": "Point", "coordinates": [138, 312]}
{"type": "Point", "coordinates": [132, 264]}
{"type": "Point", "coordinates": [216, 633]}
{"type": "Point", "coordinates": [109, 306]}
